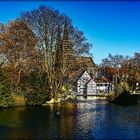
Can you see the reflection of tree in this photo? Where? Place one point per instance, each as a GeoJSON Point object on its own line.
{"type": "Point", "coordinates": [62, 127]}
{"type": "Point", "coordinates": [10, 115]}
{"type": "Point", "coordinates": [77, 121]}
{"type": "Point", "coordinates": [10, 118]}
{"type": "Point", "coordinates": [31, 124]}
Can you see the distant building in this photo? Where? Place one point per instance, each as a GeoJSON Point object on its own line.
{"type": "Point", "coordinates": [104, 85]}
{"type": "Point", "coordinates": [86, 85]}
{"type": "Point", "coordinates": [82, 82]}
{"type": "Point", "coordinates": [79, 71]}
{"type": "Point", "coordinates": [82, 64]}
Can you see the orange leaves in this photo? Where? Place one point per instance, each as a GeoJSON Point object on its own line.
{"type": "Point", "coordinates": [18, 47]}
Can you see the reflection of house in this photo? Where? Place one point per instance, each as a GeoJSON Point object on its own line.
{"type": "Point", "coordinates": [87, 85]}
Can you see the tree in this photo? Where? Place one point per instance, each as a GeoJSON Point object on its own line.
{"type": "Point", "coordinates": [25, 64]}
{"type": "Point", "coordinates": [133, 67]}
{"type": "Point", "coordinates": [114, 61]}
{"type": "Point", "coordinates": [44, 22]}
{"type": "Point", "coordinates": [5, 94]}
{"type": "Point", "coordinates": [18, 48]}
{"type": "Point", "coordinates": [125, 69]}
{"type": "Point", "coordinates": [111, 67]}
{"type": "Point", "coordinates": [31, 48]}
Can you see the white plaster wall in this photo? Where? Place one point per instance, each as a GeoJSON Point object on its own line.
{"type": "Point", "coordinates": [82, 81]}
{"type": "Point", "coordinates": [91, 88]}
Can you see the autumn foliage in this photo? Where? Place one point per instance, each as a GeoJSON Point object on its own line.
{"type": "Point", "coordinates": [122, 69]}
{"type": "Point", "coordinates": [29, 48]}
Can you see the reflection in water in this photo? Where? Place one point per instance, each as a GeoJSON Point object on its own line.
{"type": "Point", "coordinates": [82, 120]}
{"type": "Point", "coordinates": [8, 113]}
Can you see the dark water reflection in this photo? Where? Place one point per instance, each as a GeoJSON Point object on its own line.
{"type": "Point", "coordinates": [83, 120]}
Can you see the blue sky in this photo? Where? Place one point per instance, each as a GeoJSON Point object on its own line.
{"type": "Point", "coordinates": [112, 27]}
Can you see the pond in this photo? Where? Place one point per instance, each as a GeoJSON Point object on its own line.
{"type": "Point", "coordinates": [82, 120]}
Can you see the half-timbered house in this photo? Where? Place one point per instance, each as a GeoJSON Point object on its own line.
{"type": "Point", "coordinates": [87, 85]}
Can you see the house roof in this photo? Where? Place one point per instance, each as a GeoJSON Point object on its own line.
{"type": "Point", "coordinates": [102, 80]}
{"type": "Point", "coordinates": [85, 61]}
{"type": "Point", "coordinates": [80, 66]}
{"type": "Point", "coordinates": [74, 75]}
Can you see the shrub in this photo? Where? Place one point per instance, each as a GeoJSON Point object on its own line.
{"type": "Point", "coordinates": [35, 88]}
{"type": "Point", "coordinates": [19, 100]}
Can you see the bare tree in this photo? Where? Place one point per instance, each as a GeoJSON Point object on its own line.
{"type": "Point", "coordinates": [44, 22]}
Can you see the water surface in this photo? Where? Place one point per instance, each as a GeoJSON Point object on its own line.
{"type": "Point", "coordinates": [82, 120]}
